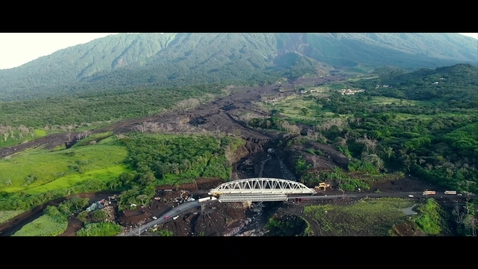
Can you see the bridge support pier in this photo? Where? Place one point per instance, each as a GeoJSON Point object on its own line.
{"type": "Point", "coordinates": [247, 204]}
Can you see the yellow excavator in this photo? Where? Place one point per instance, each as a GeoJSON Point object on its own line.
{"type": "Point", "coordinates": [322, 186]}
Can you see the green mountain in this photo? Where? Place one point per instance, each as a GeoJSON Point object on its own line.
{"type": "Point", "coordinates": [182, 59]}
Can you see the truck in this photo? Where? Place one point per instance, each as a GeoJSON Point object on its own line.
{"type": "Point", "coordinates": [450, 192]}
{"type": "Point", "coordinates": [429, 192]}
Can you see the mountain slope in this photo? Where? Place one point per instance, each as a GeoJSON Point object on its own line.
{"type": "Point", "coordinates": [404, 50]}
{"type": "Point", "coordinates": [198, 57]}
{"type": "Point", "coordinates": [73, 63]}
{"type": "Point", "coordinates": [169, 60]}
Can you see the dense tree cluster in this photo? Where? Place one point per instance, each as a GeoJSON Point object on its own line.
{"type": "Point", "coordinates": [99, 106]}
{"type": "Point", "coordinates": [159, 160]}
{"type": "Point", "coordinates": [427, 131]}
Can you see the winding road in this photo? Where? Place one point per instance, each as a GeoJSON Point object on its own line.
{"type": "Point", "coordinates": [168, 216]}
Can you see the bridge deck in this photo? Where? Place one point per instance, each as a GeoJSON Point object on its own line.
{"type": "Point", "coordinates": [252, 197]}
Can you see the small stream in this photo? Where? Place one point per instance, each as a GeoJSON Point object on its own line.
{"type": "Point", "coordinates": [286, 173]}
{"type": "Point", "coordinates": [260, 212]}
{"type": "Point", "coordinates": [263, 163]}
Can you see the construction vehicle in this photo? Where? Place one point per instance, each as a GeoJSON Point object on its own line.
{"type": "Point", "coordinates": [322, 186]}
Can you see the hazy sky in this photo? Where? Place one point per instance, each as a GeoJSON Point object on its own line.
{"type": "Point", "coordinates": [19, 48]}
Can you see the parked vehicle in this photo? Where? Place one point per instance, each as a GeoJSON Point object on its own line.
{"type": "Point", "coordinates": [204, 199]}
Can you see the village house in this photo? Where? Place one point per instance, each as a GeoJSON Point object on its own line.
{"type": "Point", "coordinates": [349, 91]}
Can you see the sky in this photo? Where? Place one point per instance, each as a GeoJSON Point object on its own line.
{"type": "Point", "coordinates": [19, 48]}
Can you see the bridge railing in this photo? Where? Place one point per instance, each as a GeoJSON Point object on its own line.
{"type": "Point", "coordinates": [262, 186]}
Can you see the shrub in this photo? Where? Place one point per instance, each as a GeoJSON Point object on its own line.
{"type": "Point", "coordinates": [98, 215]}
{"type": "Point", "coordinates": [100, 229]}
{"type": "Point", "coordinates": [83, 216]}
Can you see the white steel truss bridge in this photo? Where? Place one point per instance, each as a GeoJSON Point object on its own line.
{"type": "Point", "coordinates": [259, 190]}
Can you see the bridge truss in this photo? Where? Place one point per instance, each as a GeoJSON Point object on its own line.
{"type": "Point", "coordinates": [259, 189]}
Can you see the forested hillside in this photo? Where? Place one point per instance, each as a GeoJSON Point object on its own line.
{"type": "Point", "coordinates": [450, 86]}
{"type": "Point", "coordinates": [169, 60]}
{"type": "Point", "coordinates": [423, 123]}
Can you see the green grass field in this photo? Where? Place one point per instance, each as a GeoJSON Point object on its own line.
{"type": "Point", "coordinates": [65, 182]}
{"type": "Point", "coordinates": [380, 100]}
{"type": "Point", "coordinates": [43, 226]}
{"type": "Point", "coordinates": [291, 107]}
{"type": "Point", "coordinates": [39, 170]}
{"type": "Point", "coordinates": [371, 217]}
{"type": "Point", "coordinates": [40, 132]}
{"type": "Point", "coordinates": [6, 215]}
